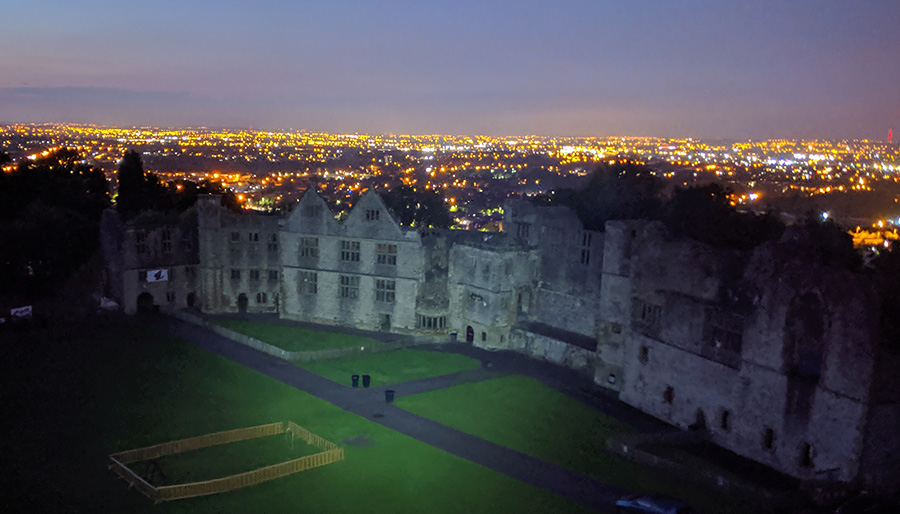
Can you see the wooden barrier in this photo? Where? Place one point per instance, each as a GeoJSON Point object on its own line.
{"type": "Point", "coordinates": [118, 461]}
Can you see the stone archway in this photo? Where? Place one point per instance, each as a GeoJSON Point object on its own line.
{"type": "Point", "coordinates": [145, 302]}
{"type": "Point", "coordinates": [242, 302]}
{"type": "Point", "coordinates": [470, 334]}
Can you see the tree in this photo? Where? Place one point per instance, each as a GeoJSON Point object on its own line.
{"type": "Point", "coordinates": [417, 208]}
{"type": "Point", "coordinates": [613, 192]}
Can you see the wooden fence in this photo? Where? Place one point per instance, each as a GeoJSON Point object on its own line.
{"type": "Point", "coordinates": [118, 461]}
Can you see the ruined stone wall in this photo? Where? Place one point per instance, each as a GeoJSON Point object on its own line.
{"type": "Point", "coordinates": [553, 350]}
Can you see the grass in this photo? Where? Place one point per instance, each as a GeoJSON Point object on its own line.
{"type": "Point", "coordinates": [392, 367]}
{"type": "Point", "coordinates": [296, 339]}
{"type": "Point", "coordinates": [81, 392]}
{"type": "Point", "coordinates": [226, 459]}
{"type": "Point", "coordinates": [523, 414]}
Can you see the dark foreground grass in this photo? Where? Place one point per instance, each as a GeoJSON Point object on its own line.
{"type": "Point", "coordinates": [296, 339]}
{"type": "Point", "coordinates": [393, 367]}
{"type": "Point", "coordinates": [523, 414]}
{"type": "Point", "coordinates": [78, 393]}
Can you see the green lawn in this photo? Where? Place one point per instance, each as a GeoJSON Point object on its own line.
{"type": "Point", "coordinates": [392, 367]}
{"type": "Point", "coordinates": [523, 414]}
{"type": "Point", "coordinates": [296, 339]}
{"type": "Point", "coordinates": [78, 393]}
{"type": "Point", "coordinates": [226, 459]}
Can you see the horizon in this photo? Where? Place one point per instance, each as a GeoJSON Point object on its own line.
{"type": "Point", "coordinates": [725, 70]}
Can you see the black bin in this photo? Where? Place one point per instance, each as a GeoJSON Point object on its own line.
{"type": "Point", "coordinates": [355, 380]}
{"type": "Point", "coordinates": [366, 380]}
{"type": "Point", "coordinates": [388, 396]}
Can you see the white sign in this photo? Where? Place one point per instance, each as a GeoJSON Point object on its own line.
{"type": "Point", "coordinates": [20, 312]}
{"type": "Point", "coordinates": [158, 275]}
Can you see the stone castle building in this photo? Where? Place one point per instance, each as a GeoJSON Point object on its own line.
{"type": "Point", "coordinates": [775, 358]}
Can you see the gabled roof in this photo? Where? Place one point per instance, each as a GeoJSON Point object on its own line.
{"type": "Point", "coordinates": [312, 215]}
{"type": "Point", "coordinates": [370, 218]}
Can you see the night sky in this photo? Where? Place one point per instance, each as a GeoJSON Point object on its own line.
{"type": "Point", "coordinates": [687, 68]}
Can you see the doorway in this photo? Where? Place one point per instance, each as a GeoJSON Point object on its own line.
{"type": "Point", "coordinates": [470, 334]}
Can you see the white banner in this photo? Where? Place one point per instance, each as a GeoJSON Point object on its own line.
{"type": "Point", "coordinates": [20, 312]}
{"type": "Point", "coordinates": [158, 275]}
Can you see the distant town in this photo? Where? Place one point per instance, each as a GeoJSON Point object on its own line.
{"type": "Point", "coordinates": [856, 183]}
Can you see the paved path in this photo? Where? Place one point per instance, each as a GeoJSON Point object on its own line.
{"type": "Point", "coordinates": [370, 403]}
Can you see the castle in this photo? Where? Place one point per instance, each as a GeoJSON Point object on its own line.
{"type": "Point", "coordinates": [777, 359]}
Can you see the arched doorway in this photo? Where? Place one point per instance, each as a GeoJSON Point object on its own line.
{"type": "Point", "coordinates": [470, 334]}
{"type": "Point", "coordinates": [145, 302]}
{"type": "Point", "coordinates": [242, 303]}
{"type": "Point", "coordinates": [191, 299]}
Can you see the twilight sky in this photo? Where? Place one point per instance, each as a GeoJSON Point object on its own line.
{"type": "Point", "coordinates": [681, 68]}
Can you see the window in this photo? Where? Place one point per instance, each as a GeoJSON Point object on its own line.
{"type": "Point", "coordinates": [431, 322]}
{"type": "Point", "coordinates": [254, 274]}
{"type": "Point", "coordinates": [350, 251]}
{"type": "Point", "coordinates": [372, 214]}
{"type": "Point", "coordinates": [273, 243]}
{"type": "Point", "coordinates": [140, 241]}
{"type": "Point", "coordinates": [142, 276]}
{"type": "Point", "coordinates": [645, 317]}
{"type": "Point", "coordinates": [585, 247]}
{"type": "Point", "coordinates": [235, 237]}
{"type": "Point", "coordinates": [806, 454]}
{"type": "Point", "coordinates": [166, 240]}
{"type": "Point", "coordinates": [484, 336]}
{"type": "Point", "coordinates": [611, 378]}
{"type": "Point", "coordinates": [190, 272]}
{"type": "Point", "coordinates": [384, 290]}
{"type": "Point", "coordinates": [669, 394]}
{"type": "Point", "coordinates": [262, 297]}
{"type": "Point", "coordinates": [308, 282]}
{"type": "Point", "coordinates": [309, 247]}
{"type": "Point", "coordinates": [273, 274]}
{"type": "Point", "coordinates": [644, 355]}
{"type": "Point", "coordinates": [725, 420]}
{"type": "Point", "coordinates": [187, 242]}
{"type": "Point", "coordinates": [386, 254]}
{"type": "Point", "coordinates": [768, 440]}
{"type": "Point", "coordinates": [523, 230]}
{"type": "Point", "coordinates": [170, 296]}
{"type": "Point", "coordinates": [723, 337]}
{"type": "Point", "coordinates": [349, 286]}
{"type": "Point", "coordinates": [253, 237]}
{"type": "Point", "coordinates": [312, 211]}
{"type": "Point", "coordinates": [235, 274]}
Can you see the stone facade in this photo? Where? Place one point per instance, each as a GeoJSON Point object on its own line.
{"type": "Point", "coordinates": [775, 359]}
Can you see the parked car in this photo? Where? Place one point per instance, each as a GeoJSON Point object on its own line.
{"type": "Point", "coordinates": [651, 505]}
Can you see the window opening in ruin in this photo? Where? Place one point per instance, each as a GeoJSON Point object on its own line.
{"type": "Point", "coordinates": [645, 317]}
{"type": "Point", "coordinates": [806, 455]}
{"type": "Point", "coordinates": [187, 242]}
{"type": "Point", "coordinates": [431, 322]}
{"type": "Point", "coordinates": [140, 241]}
{"type": "Point", "coordinates": [170, 296]}
{"type": "Point", "coordinates": [349, 286]}
{"type": "Point", "coordinates": [253, 237]}
{"type": "Point", "coordinates": [386, 254]}
{"type": "Point", "coordinates": [242, 303]}
{"type": "Point", "coordinates": [309, 247]}
{"type": "Point", "coordinates": [166, 241]}
{"type": "Point", "coordinates": [669, 394]}
{"type": "Point", "coordinates": [373, 214]}
{"type": "Point", "coordinates": [191, 299]}
{"type": "Point", "coordinates": [254, 274]}
{"type": "Point", "coordinates": [484, 336]}
{"type": "Point", "coordinates": [723, 335]}
{"type": "Point", "coordinates": [585, 247]}
{"type": "Point", "coordinates": [523, 230]}
{"type": "Point", "coordinates": [235, 274]}
{"type": "Point", "coordinates": [699, 423]}
{"type": "Point", "coordinates": [273, 274]}
{"type": "Point", "coordinates": [384, 290]}
{"type": "Point", "coordinates": [142, 276]}
{"type": "Point", "coordinates": [611, 378]}
{"type": "Point", "coordinates": [235, 237]}
{"type": "Point", "coordinates": [768, 441]}
{"type": "Point", "coordinates": [470, 334]}
{"type": "Point", "coordinates": [312, 210]}
{"type": "Point", "coordinates": [644, 355]}
{"type": "Point", "coordinates": [725, 420]}
{"type": "Point", "coordinates": [273, 243]}
{"type": "Point", "coordinates": [350, 251]}
{"type": "Point", "coordinates": [309, 282]}
{"type": "Point", "coordinates": [262, 297]}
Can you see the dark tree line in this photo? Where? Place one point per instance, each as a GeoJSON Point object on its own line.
{"type": "Point", "coordinates": [49, 219]}
{"type": "Point", "coordinates": [417, 208]}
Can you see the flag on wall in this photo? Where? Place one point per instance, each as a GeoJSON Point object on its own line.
{"type": "Point", "coordinates": [158, 275]}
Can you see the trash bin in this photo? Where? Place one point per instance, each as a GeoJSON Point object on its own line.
{"type": "Point", "coordinates": [366, 380]}
{"type": "Point", "coordinates": [389, 396]}
{"type": "Point", "coordinates": [355, 380]}
{"type": "Point", "coordinates": [452, 337]}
